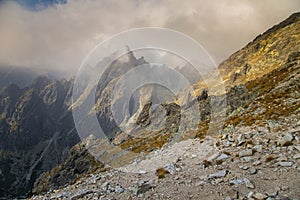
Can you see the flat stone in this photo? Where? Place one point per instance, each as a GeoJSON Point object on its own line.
{"type": "Point", "coordinates": [245, 153]}
{"type": "Point", "coordinates": [223, 156]}
{"type": "Point", "coordinates": [285, 164]}
{"type": "Point", "coordinates": [244, 167]}
{"type": "Point", "coordinates": [218, 174]}
{"type": "Point", "coordinates": [236, 181]}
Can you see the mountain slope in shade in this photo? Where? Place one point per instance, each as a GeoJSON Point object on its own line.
{"type": "Point", "coordinates": [36, 132]}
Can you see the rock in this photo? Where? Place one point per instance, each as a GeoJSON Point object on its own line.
{"type": "Point", "coordinates": [248, 183]}
{"type": "Point", "coordinates": [245, 153]}
{"type": "Point", "coordinates": [258, 162]}
{"type": "Point", "coordinates": [171, 168]}
{"type": "Point", "coordinates": [297, 147]}
{"type": "Point", "coordinates": [111, 189]}
{"type": "Point", "coordinates": [236, 181]}
{"type": "Point", "coordinates": [296, 156]}
{"type": "Point", "coordinates": [119, 189]}
{"type": "Point", "coordinates": [285, 164]}
{"type": "Point", "coordinates": [286, 139]}
{"type": "Point", "coordinates": [250, 194]}
{"type": "Point", "coordinates": [231, 139]}
{"type": "Point", "coordinates": [251, 171]}
{"type": "Point", "coordinates": [143, 187]}
{"type": "Point", "coordinates": [282, 158]}
{"type": "Point", "coordinates": [213, 157]}
{"type": "Point", "coordinates": [222, 157]}
{"type": "Point", "coordinates": [244, 167]}
{"type": "Point", "coordinates": [272, 193]}
{"type": "Point", "coordinates": [193, 156]}
{"type": "Point", "coordinates": [258, 148]}
{"type": "Point", "coordinates": [247, 159]}
{"type": "Point", "coordinates": [141, 171]}
{"type": "Point", "coordinates": [259, 196]}
{"type": "Point", "coordinates": [219, 174]}
{"type": "Point", "coordinates": [241, 140]}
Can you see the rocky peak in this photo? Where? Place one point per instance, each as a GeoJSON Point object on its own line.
{"type": "Point", "coordinates": [265, 53]}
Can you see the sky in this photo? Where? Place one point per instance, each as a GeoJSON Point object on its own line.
{"type": "Point", "coordinates": [58, 34]}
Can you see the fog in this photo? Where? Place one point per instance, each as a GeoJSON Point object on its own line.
{"type": "Point", "coordinates": [59, 37]}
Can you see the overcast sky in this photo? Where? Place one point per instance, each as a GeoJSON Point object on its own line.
{"type": "Point", "coordinates": [59, 36]}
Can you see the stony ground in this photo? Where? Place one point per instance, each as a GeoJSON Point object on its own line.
{"type": "Point", "coordinates": [257, 162]}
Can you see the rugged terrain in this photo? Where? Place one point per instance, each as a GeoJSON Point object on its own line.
{"type": "Point", "coordinates": [254, 155]}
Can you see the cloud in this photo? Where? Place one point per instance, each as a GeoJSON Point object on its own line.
{"type": "Point", "coordinates": [60, 36]}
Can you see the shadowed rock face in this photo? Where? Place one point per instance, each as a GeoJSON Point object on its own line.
{"type": "Point", "coordinates": [36, 131]}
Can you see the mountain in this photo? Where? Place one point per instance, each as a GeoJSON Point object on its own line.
{"type": "Point", "coordinates": [38, 131]}
{"type": "Point", "coordinates": [254, 156]}
{"type": "Point", "coordinates": [37, 128]}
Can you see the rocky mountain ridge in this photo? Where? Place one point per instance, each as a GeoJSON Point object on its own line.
{"type": "Point", "coordinates": [263, 85]}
